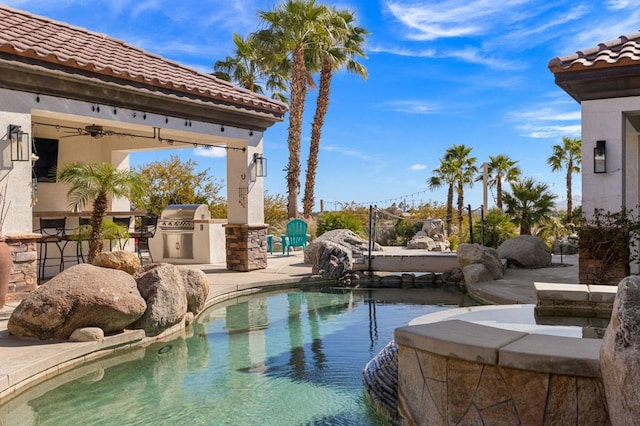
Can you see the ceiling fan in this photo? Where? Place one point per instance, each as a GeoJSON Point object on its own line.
{"type": "Point", "coordinates": [93, 130]}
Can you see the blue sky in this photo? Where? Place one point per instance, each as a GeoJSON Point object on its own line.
{"type": "Point", "coordinates": [446, 72]}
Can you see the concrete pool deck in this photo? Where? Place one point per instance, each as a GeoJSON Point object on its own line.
{"type": "Point", "coordinates": [24, 363]}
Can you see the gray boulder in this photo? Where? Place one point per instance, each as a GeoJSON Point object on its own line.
{"type": "Point", "coordinates": [196, 286]}
{"type": "Point", "coordinates": [432, 237]}
{"type": "Point", "coordinates": [162, 287]}
{"type": "Point", "coordinates": [620, 355]}
{"type": "Point", "coordinates": [566, 245]}
{"type": "Point", "coordinates": [332, 253]}
{"type": "Point", "coordinates": [526, 251]}
{"type": "Point", "coordinates": [81, 296]}
{"type": "Point", "coordinates": [476, 273]}
{"type": "Point", "coordinates": [473, 254]}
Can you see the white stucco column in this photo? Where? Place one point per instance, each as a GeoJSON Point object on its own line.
{"type": "Point", "coordinates": [245, 198]}
{"type": "Point", "coordinates": [15, 178]}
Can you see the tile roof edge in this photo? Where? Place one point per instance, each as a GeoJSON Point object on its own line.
{"type": "Point", "coordinates": [566, 62]}
{"type": "Point", "coordinates": [258, 98]}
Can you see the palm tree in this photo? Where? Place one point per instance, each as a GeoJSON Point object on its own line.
{"type": "Point", "coordinates": [465, 172]}
{"type": "Point", "coordinates": [244, 70]}
{"type": "Point", "coordinates": [528, 204]}
{"type": "Point", "coordinates": [501, 168]}
{"type": "Point", "coordinates": [445, 174]}
{"type": "Point", "coordinates": [293, 27]}
{"type": "Point", "coordinates": [95, 183]}
{"type": "Point", "coordinates": [342, 43]}
{"type": "Point", "coordinates": [569, 155]}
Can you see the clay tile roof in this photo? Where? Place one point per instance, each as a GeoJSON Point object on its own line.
{"type": "Point", "coordinates": [39, 38]}
{"type": "Point", "coordinates": [623, 51]}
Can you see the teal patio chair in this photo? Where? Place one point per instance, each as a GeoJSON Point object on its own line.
{"type": "Point", "coordinates": [296, 235]}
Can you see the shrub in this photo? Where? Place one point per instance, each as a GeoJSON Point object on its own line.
{"type": "Point", "coordinates": [329, 221]}
{"type": "Point", "coordinates": [498, 228]}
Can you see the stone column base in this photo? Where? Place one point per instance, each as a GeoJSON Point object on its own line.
{"type": "Point", "coordinates": [24, 274]}
{"type": "Point", "coordinates": [246, 247]}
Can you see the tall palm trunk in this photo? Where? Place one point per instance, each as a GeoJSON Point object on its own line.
{"type": "Point", "coordinates": [460, 206]}
{"type": "Point", "coordinates": [449, 208]}
{"type": "Point", "coordinates": [98, 213]}
{"type": "Point", "coordinates": [298, 95]}
{"type": "Point", "coordinates": [498, 193]}
{"type": "Point", "coordinates": [322, 104]}
{"type": "Point", "coordinates": [569, 195]}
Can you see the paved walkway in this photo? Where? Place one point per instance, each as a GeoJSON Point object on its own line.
{"type": "Point", "coordinates": [26, 362]}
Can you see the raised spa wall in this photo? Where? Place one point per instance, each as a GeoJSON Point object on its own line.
{"type": "Point", "coordinates": [457, 372]}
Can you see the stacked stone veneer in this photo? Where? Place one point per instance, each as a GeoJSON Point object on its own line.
{"type": "Point", "coordinates": [24, 274]}
{"type": "Point", "coordinates": [246, 247]}
{"type": "Point", "coordinates": [456, 372]}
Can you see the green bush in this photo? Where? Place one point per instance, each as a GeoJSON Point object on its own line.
{"type": "Point", "coordinates": [498, 228]}
{"type": "Point", "coordinates": [329, 221]}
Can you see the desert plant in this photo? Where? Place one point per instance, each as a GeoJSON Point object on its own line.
{"type": "Point", "coordinates": [608, 242]}
{"type": "Point", "coordinates": [498, 228]}
{"type": "Point", "coordinates": [329, 221]}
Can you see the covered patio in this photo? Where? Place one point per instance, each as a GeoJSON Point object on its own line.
{"type": "Point", "coordinates": [83, 96]}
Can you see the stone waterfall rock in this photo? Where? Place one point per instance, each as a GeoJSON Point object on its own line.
{"type": "Point", "coordinates": [432, 237]}
{"type": "Point", "coordinates": [332, 253]}
{"type": "Point", "coordinates": [526, 251]}
{"type": "Point", "coordinates": [620, 355]}
{"type": "Point", "coordinates": [81, 296]}
{"type": "Point", "coordinates": [162, 287]}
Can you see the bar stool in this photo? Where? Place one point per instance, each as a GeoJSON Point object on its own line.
{"type": "Point", "coordinates": [145, 229]}
{"type": "Point", "coordinates": [82, 233]}
{"type": "Point", "coordinates": [126, 222]}
{"type": "Point", "coordinates": [53, 232]}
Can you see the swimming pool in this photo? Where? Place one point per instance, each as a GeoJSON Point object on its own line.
{"type": "Point", "coordinates": [287, 358]}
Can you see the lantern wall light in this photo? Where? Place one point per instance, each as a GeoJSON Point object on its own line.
{"type": "Point", "coordinates": [19, 140]}
{"type": "Point", "coordinates": [260, 164]}
{"type": "Point", "coordinates": [600, 157]}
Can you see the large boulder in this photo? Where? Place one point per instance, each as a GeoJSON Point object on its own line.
{"type": "Point", "coordinates": [566, 245]}
{"type": "Point", "coordinates": [526, 251]}
{"type": "Point", "coordinates": [121, 260]}
{"type": "Point", "coordinates": [620, 355]}
{"type": "Point", "coordinates": [81, 296]}
{"type": "Point", "coordinates": [162, 287]}
{"type": "Point", "coordinates": [474, 254]}
{"type": "Point", "coordinates": [196, 286]}
{"type": "Point", "coordinates": [332, 253]}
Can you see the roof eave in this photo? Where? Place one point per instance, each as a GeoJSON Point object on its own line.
{"type": "Point", "coordinates": [48, 79]}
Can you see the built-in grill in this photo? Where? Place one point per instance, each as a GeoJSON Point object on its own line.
{"type": "Point", "coordinates": [177, 225]}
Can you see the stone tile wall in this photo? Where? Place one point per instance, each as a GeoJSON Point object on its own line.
{"type": "Point", "coordinates": [24, 274]}
{"type": "Point", "coordinates": [246, 247]}
{"type": "Point", "coordinates": [454, 373]}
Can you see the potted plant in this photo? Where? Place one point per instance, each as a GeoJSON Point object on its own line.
{"type": "Point", "coordinates": [94, 183]}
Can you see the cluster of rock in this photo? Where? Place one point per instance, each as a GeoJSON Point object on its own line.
{"type": "Point", "coordinates": [480, 263]}
{"type": "Point", "coordinates": [432, 237]}
{"type": "Point", "coordinates": [566, 245]}
{"type": "Point", "coordinates": [153, 298]}
{"type": "Point", "coordinates": [332, 253]}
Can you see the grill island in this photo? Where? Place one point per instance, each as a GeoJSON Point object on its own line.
{"type": "Point", "coordinates": [187, 234]}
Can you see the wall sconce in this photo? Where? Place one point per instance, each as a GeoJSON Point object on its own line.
{"type": "Point", "coordinates": [260, 164]}
{"type": "Point", "coordinates": [19, 141]}
{"type": "Point", "coordinates": [600, 157]}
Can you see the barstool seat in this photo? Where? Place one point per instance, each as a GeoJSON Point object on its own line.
{"type": "Point", "coordinates": [145, 229]}
{"type": "Point", "coordinates": [53, 231]}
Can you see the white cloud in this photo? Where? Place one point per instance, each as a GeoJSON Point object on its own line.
{"type": "Point", "coordinates": [402, 51]}
{"type": "Point", "coordinates": [212, 152]}
{"type": "Point", "coordinates": [418, 167]}
{"type": "Point", "coordinates": [453, 18]}
{"type": "Point", "coordinates": [412, 107]}
{"type": "Point", "coordinates": [620, 4]}
{"type": "Point", "coordinates": [548, 120]}
{"type": "Point", "coordinates": [343, 150]}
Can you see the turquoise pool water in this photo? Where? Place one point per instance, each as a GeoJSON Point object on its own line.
{"type": "Point", "coordinates": [287, 358]}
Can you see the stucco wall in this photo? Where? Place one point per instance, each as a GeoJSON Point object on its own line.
{"type": "Point", "coordinates": [605, 120]}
